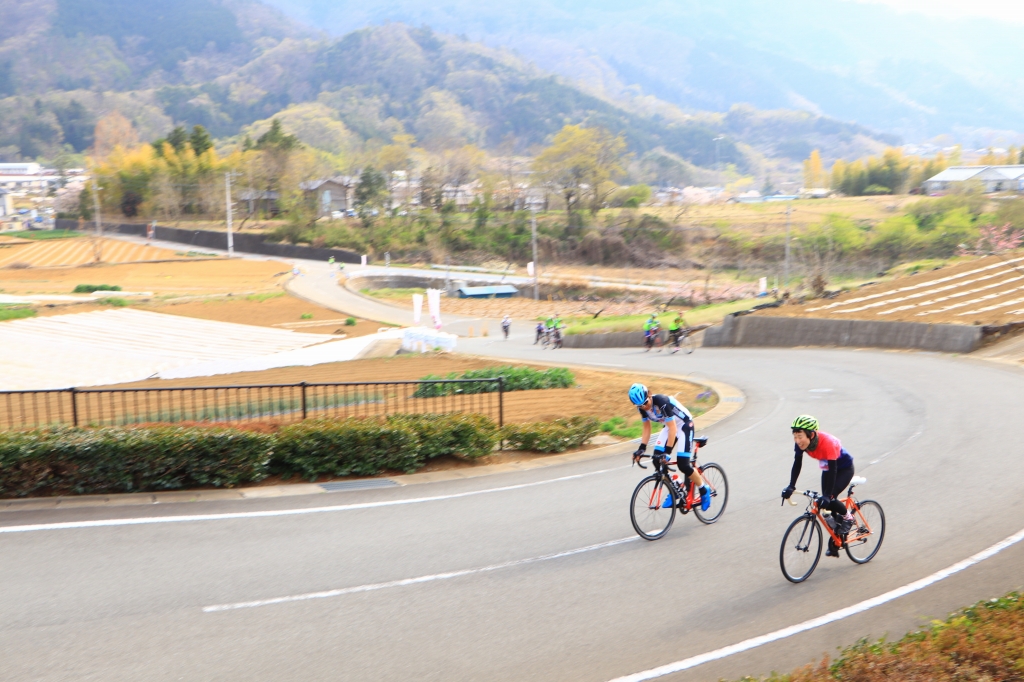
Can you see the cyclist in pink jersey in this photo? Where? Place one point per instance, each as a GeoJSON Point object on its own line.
{"type": "Point", "coordinates": [836, 466]}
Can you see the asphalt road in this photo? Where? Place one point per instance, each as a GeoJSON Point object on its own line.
{"type": "Point", "coordinates": [481, 579]}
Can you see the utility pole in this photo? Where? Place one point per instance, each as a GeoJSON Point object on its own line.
{"type": "Point", "coordinates": [97, 247]}
{"type": "Point", "coordinates": [227, 201]}
{"type": "Point", "coordinates": [536, 269]}
{"type": "Point", "coordinates": [785, 271]}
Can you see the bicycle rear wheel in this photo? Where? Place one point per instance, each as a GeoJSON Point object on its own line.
{"type": "Point", "coordinates": [865, 538]}
{"type": "Point", "coordinates": [651, 518]}
{"type": "Point", "coordinates": [801, 549]}
{"type": "Point", "coordinates": [714, 476]}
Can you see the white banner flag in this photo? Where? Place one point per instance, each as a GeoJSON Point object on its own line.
{"type": "Point", "coordinates": [529, 268]}
{"type": "Point", "coordinates": [363, 262]}
{"type": "Point", "coordinates": [417, 307]}
{"type": "Point", "coordinates": [762, 285]}
{"type": "Point", "coordinates": [434, 305]}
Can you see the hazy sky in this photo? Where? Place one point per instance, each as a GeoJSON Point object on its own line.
{"type": "Point", "coordinates": [1012, 10]}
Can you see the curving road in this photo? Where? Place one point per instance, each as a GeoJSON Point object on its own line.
{"type": "Point", "coordinates": [537, 575]}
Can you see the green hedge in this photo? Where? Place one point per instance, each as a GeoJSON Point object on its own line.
{"type": "Point", "coordinates": [554, 436]}
{"type": "Point", "coordinates": [118, 460]}
{"type": "Point", "coordinates": [516, 378]}
{"type": "Point", "coordinates": [91, 288]}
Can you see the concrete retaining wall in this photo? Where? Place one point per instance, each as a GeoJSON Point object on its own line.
{"type": "Point", "coordinates": [752, 330]}
{"type": "Point", "coordinates": [612, 340]}
{"type": "Point", "coordinates": [243, 242]}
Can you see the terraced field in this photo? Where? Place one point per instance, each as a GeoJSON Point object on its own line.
{"type": "Point", "coordinates": [79, 251]}
{"type": "Point", "coordinates": [984, 291]}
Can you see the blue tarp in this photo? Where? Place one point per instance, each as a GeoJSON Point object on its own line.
{"type": "Point", "coordinates": [497, 291]}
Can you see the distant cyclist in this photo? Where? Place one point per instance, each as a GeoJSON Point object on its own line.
{"type": "Point", "coordinates": [506, 324]}
{"type": "Point", "coordinates": [836, 466]}
{"type": "Point", "coordinates": [541, 330]}
{"type": "Point", "coordinates": [677, 429]}
{"type": "Point", "coordinates": [652, 328]}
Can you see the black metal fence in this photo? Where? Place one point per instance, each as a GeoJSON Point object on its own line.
{"type": "Point", "coordinates": [281, 403]}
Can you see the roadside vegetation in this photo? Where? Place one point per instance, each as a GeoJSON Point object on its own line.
{"type": "Point", "coordinates": [981, 642]}
{"type": "Point", "coordinates": [43, 234]}
{"type": "Point", "coordinates": [77, 461]}
{"type": "Point", "coordinates": [15, 312]}
{"type": "Point", "coordinates": [516, 378]}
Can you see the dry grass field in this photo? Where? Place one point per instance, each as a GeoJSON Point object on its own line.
{"type": "Point", "coordinates": [81, 251]}
{"type": "Point", "coordinates": [597, 394]}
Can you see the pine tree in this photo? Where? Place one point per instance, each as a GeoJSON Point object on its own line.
{"type": "Point", "coordinates": [200, 140]}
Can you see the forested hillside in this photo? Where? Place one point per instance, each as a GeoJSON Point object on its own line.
{"type": "Point", "coordinates": [904, 73]}
{"type": "Point", "coordinates": [232, 65]}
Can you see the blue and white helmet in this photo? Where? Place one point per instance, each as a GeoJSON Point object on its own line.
{"type": "Point", "coordinates": [638, 394]}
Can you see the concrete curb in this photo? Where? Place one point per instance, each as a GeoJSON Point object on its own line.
{"type": "Point", "coordinates": [730, 401]}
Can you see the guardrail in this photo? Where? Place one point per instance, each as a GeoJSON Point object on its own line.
{"type": "Point", "coordinates": [281, 403]}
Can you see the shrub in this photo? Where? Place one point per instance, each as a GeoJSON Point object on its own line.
{"type": "Point", "coordinates": [113, 301]}
{"type": "Point", "coordinates": [463, 435]}
{"type": "Point", "coordinates": [618, 427]}
{"type": "Point", "coordinates": [363, 447]}
{"type": "Point", "coordinates": [90, 288]}
{"type": "Point", "coordinates": [120, 460]}
{"type": "Point", "coordinates": [15, 313]}
{"type": "Point", "coordinates": [350, 321]}
{"type": "Point", "coordinates": [306, 316]}
{"type": "Point", "coordinates": [554, 436]}
{"type": "Point", "coordinates": [516, 379]}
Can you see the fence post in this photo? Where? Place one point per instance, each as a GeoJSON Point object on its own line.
{"type": "Point", "coordinates": [74, 406]}
{"type": "Point", "coordinates": [303, 386]}
{"type": "Point", "coordinates": [501, 402]}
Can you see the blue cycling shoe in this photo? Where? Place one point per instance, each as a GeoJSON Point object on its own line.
{"type": "Point", "coordinates": [705, 498]}
{"type": "Point", "coordinates": [667, 504]}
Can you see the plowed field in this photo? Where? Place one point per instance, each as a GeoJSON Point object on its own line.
{"type": "Point", "coordinates": [80, 251]}
{"type": "Point", "coordinates": [597, 394]}
{"type": "Point", "coordinates": [982, 291]}
{"type": "Point", "coordinates": [182, 276]}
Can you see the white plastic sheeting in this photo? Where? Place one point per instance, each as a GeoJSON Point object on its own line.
{"type": "Point", "coordinates": [422, 339]}
{"type": "Point", "coordinates": [115, 346]}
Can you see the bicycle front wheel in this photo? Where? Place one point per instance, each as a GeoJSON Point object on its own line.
{"type": "Point", "coordinates": [801, 549]}
{"type": "Point", "coordinates": [687, 344]}
{"type": "Point", "coordinates": [714, 476]}
{"type": "Point", "coordinates": [865, 538]}
{"type": "Point", "coordinates": [653, 508]}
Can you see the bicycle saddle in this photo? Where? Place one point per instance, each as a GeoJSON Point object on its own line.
{"type": "Point", "coordinates": [702, 441]}
{"type": "Point", "coordinates": [858, 480]}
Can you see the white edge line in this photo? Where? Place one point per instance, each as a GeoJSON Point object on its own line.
{"type": "Point", "coordinates": [413, 581]}
{"type": "Point", "coordinates": [141, 521]}
{"type": "Point", "coordinates": [832, 617]}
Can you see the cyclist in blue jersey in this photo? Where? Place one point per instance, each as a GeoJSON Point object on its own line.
{"type": "Point", "coordinates": [677, 429]}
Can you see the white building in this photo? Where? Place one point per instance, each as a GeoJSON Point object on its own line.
{"type": "Point", "coordinates": [20, 168]}
{"type": "Point", "coordinates": [993, 178]}
{"type": "Point", "coordinates": [6, 207]}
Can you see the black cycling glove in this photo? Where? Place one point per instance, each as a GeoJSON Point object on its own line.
{"type": "Point", "coordinates": [668, 449]}
{"type": "Point", "coordinates": [640, 450]}
{"type": "Point", "coordinates": [788, 492]}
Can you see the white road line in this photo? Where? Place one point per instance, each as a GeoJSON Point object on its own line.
{"type": "Point", "coordinates": [860, 607]}
{"type": "Point", "coordinates": [142, 521]}
{"type": "Point", "coordinates": [413, 581]}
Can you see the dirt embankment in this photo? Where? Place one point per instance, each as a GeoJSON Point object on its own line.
{"type": "Point", "coordinates": [597, 394]}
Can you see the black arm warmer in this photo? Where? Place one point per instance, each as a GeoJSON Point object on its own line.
{"type": "Point", "coordinates": [797, 463]}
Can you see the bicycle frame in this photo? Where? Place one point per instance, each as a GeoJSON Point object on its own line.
{"type": "Point", "coordinates": [852, 505]}
{"type": "Point", "coordinates": [686, 491]}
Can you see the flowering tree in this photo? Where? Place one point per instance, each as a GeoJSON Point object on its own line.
{"type": "Point", "coordinates": [996, 239]}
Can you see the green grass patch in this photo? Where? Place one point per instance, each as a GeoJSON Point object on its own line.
{"type": "Point", "coordinates": [194, 254]}
{"type": "Point", "coordinates": [350, 321]}
{"type": "Point", "coordinates": [113, 301]}
{"type": "Point", "coordinates": [515, 379]}
{"type": "Point", "coordinates": [44, 234]}
{"type": "Point", "coordinates": [620, 428]}
{"type": "Point", "coordinates": [15, 313]}
{"type": "Point", "coordinates": [259, 298]}
{"type": "Point", "coordinates": [90, 288]}
{"type": "Point", "coordinates": [705, 314]}
{"type": "Point", "coordinates": [306, 316]}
